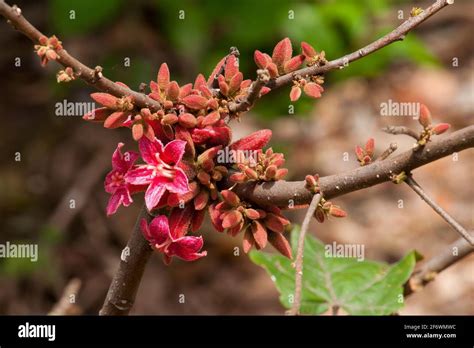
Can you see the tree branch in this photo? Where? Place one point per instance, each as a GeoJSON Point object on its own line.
{"type": "Point", "coordinates": [427, 273]}
{"type": "Point", "coordinates": [284, 193]}
{"type": "Point", "coordinates": [397, 34]}
{"type": "Point", "coordinates": [295, 308]}
{"type": "Point", "coordinates": [20, 23]}
{"type": "Point", "coordinates": [448, 218]}
{"type": "Point", "coordinates": [395, 130]}
{"type": "Point", "coordinates": [123, 288]}
{"type": "Point", "coordinates": [141, 100]}
{"type": "Point", "coordinates": [254, 93]}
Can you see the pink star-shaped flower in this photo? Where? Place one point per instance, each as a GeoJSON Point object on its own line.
{"type": "Point", "coordinates": [161, 172]}
{"type": "Point", "coordinates": [115, 183]}
{"type": "Point", "coordinates": [171, 243]}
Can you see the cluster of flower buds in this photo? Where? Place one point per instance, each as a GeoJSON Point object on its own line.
{"type": "Point", "coordinates": [365, 155]}
{"type": "Point", "coordinates": [311, 88]}
{"type": "Point", "coordinates": [429, 130]}
{"type": "Point", "coordinates": [180, 144]}
{"type": "Point", "coordinates": [326, 209]}
{"type": "Point", "coordinates": [65, 75]}
{"type": "Point", "coordinates": [281, 62]}
{"type": "Point", "coordinates": [209, 173]}
{"type": "Point", "coordinates": [260, 226]}
{"type": "Point", "coordinates": [263, 166]}
{"type": "Point", "coordinates": [311, 56]}
{"type": "Point", "coordinates": [48, 49]}
{"type": "Point", "coordinates": [312, 183]}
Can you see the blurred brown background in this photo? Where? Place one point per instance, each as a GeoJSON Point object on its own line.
{"type": "Point", "coordinates": [64, 158]}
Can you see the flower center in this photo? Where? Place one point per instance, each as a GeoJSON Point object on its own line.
{"type": "Point", "coordinates": [117, 179]}
{"type": "Point", "coordinates": [162, 168]}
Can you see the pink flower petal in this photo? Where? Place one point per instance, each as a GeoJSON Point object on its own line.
{"type": "Point", "coordinates": [114, 202]}
{"type": "Point", "coordinates": [187, 248]}
{"type": "Point", "coordinates": [139, 176]}
{"type": "Point", "coordinates": [149, 149]}
{"type": "Point", "coordinates": [173, 152]}
{"type": "Point", "coordinates": [126, 198]}
{"type": "Point", "coordinates": [153, 194]}
{"type": "Point", "coordinates": [159, 230]}
{"type": "Point", "coordinates": [122, 162]}
{"type": "Point", "coordinates": [179, 183]}
{"type": "Point", "coordinates": [179, 221]}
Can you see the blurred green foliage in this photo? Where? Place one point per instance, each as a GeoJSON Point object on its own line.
{"type": "Point", "coordinates": [76, 17]}
{"type": "Point", "coordinates": [48, 238]}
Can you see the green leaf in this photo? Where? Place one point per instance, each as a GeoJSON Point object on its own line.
{"type": "Point", "coordinates": [357, 287]}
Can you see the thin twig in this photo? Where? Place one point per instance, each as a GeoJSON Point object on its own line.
{"type": "Point", "coordinates": [67, 303]}
{"type": "Point", "coordinates": [91, 76]}
{"type": "Point", "coordinates": [391, 149]}
{"type": "Point", "coordinates": [448, 218]}
{"type": "Point", "coordinates": [397, 34]}
{"type": "Point", "coordinates": [300, 254]}
{"type": "Point", "coordinates": [124, 286]}
{"type": "Point", "coordinates": [281, 192]}
{"type": "Point", "coordinates": [254, 93]}
{"type": "Point", "coordinates": [395, 130]}
{"type": "Point", "coordinates": [427, 273]}
{"type": "Point", "coordinates": [143, 101]}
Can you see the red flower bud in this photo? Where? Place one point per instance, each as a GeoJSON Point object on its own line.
{"type": "Point", "coordinates": [295, 93]}
{"type": "Point", "coordinates": [254, 141]}
{"type": "Point", "coordinates": [308, 50]}
{"type": "Point", "coordinates": [231, 219]}
{"type": "Point", "coordinates": [281, 173]}
{"type": "Point", "coordinates": [359, 153]}
{"type": "Point", "coordinates": [248, 240]}
{"type": "Point", "coordinates": [260, 59]}
{"type": "Point", "coordinates": [294, 63]}
{"type": "Point", "coordinates": [259, 234]}
{"type": "Point", "coordinates": [425, 116]}
{"type": "Point", "coordinates": [194, 101]}
{"type": "Point", "coordinates": [105, 99]}
{"type": "Point", "coordinates": [369, 147]}
{"type": "Point", "coordinates": [336, 211]}
{"type": "Point", "coordinates": [230, 198]}
{"type": "Point", "coordinates": [280, 243]}
{"type": "Point", "coordinates": [200, 201]}
{"type": "Point", "coordinates": [211, 119]}
{"type": "Point", "coordinates": [252, 214]}
{"type": "Point", "coordinates": [187, 120]}
{"type": "Point", "coordinates": [231, 67]}
{"type": "Point", "coordinates": [169, 119]}
{"type": "Point", "coordinates": [238, 177]}
{"type": "Point", "coordinates": [270, 172]}
{"type": "Point", "coordinates": [313, 90]}
{"type": "Point", "coordinates": [440, 128]}
{"type": "Point", "coordinates": [223, 86]}
{"type": "Point", "coordinates": [173, 91]}
{"type": "Point", "coordinates": [282, 52]}
{"type": "Point", "coordinates": [163, 77]}
{"type": "Point", "coordinates": [137, 131]}
{"type": "Point", "coordinates": [234, 84]}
